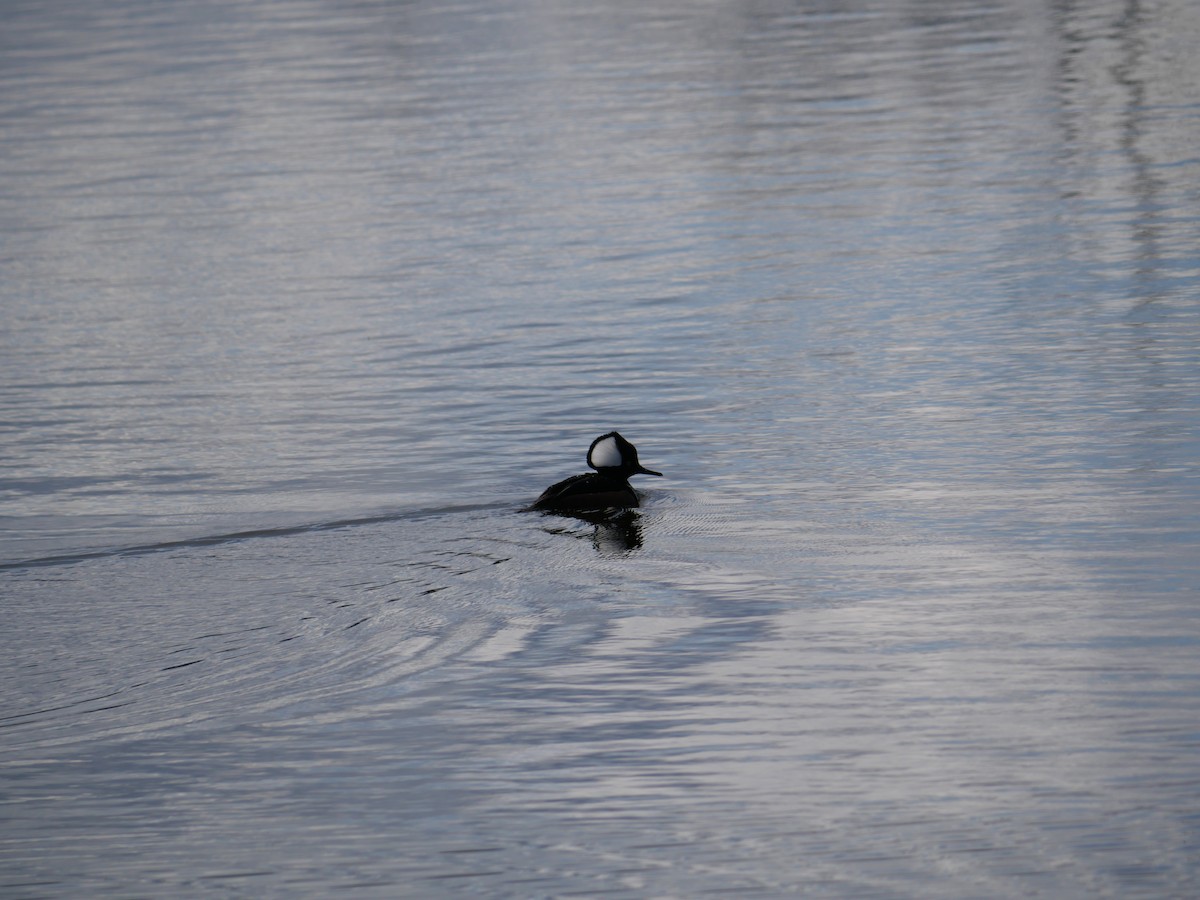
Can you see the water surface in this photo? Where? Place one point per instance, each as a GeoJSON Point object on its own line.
{"type": "Point", "coordinates": [303, 302]}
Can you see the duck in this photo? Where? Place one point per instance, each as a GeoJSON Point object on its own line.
{"type": "Point", "coordinates": [614, 459]}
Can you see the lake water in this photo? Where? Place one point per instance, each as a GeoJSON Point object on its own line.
{"type": "Point", "coordinates": [302, 302]}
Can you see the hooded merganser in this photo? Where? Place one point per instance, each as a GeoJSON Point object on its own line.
{"type": "Point", "coordinates": [614, 460]}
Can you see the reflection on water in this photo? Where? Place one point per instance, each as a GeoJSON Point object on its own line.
{"type": "Point", "coordinates": [612, 531]}
{"type": "Point", "coordinates": [303, 303]}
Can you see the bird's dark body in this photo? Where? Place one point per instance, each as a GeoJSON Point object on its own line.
{"type": "Point", "coordinates": [593, 490]}
{"type": "Point", "coordinates": [614, 460]}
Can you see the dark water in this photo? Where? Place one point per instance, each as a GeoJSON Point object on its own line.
{"type": "Point", "coordinates": [303, 301]}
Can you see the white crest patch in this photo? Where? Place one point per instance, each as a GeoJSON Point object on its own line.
{"type": "Point", "coordinates": [606, 454]}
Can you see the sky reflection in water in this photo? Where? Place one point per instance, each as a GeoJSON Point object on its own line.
{"type": "Point", "coordinates": [302, 304]}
